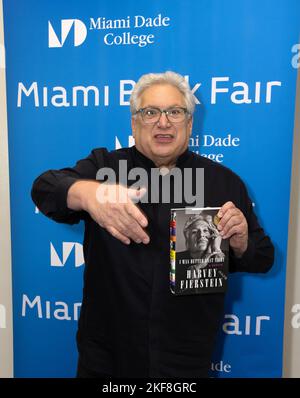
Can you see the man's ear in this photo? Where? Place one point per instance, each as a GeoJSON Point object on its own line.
{"type": "Point", "coordinates": [133, 126]}
{"type": "Point", "coordinates": [190, 125]}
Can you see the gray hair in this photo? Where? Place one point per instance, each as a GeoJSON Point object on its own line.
{"type": "Point", "coordinates": [172, 78]}
{"type": "Point", "coordinates": [191, 220]}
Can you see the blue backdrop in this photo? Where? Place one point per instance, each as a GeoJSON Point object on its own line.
{"type": "Point", "coordinates": [70, 69]}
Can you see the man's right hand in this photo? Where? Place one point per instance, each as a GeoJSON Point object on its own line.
{"type": "Point", "coordinates": [112, 207]}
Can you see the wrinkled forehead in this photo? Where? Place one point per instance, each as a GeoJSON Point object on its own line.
{"type": "Point", "coordinates": [199, 224]}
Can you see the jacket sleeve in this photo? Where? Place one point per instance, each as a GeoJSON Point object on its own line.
{"type": "Point", "coordinates": [259, 256]}
{"type": "Point", "coordinates": [49, 191]}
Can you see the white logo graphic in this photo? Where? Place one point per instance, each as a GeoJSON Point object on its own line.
{"type": "Point", "coordinates": [80, 32]}
{"type": "Point", "coordinates": [2, 317]}
{"type": "Point", "coordinates": [67, 248]}
{"type": "Point", "coordinates": [45, 309]}
{"type": "Point", "coordinates": [118, 145]}
{"type": "Point", "coordinates": [221, 367]}
{"type": "Point", "coordinates": [248, 326]}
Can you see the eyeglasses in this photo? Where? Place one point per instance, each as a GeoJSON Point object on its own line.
{"type": "Point", "coordinates": [151, 115]}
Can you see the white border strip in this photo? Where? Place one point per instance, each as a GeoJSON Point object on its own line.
{"type": "Point", "coordinates": [291, 356]}
{"type": "Point", "coordinates": [6, 331]}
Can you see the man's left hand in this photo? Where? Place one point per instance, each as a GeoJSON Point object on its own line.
{"type": "Point", "coordinates": [233, 225]}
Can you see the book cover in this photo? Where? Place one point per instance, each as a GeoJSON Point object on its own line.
{"type": "Point", "coordinates": [198, 254]}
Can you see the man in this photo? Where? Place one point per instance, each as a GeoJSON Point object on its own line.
{"type": "Point", "coordinates": [130, 323]}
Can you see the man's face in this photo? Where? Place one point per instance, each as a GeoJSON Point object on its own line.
{"type": "Point", "coordinates": [162, 141]}
{"type": "Point", "coordinates": [198, 237]}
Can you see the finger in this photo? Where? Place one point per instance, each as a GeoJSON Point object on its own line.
{"type": "Point", "coordinates": [118, 235]}
{"type": "Point", "coordinates": [231, 212]}
{"type": "Point", "coordinates": [225, 207]}
{"type": "Point", "coordinates": [134, 212]}
{"type": "Point", "coordinates": [233, 221]}
{"type": "Point", "coordinates": [117, 222]}
{"type": "Point", "coordinates": [133, 230]}
{"type": "Point", "coordinates": [240, 229]}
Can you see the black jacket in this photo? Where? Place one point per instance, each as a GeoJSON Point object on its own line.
{"type": "Point", "coordinates": [130, 323]}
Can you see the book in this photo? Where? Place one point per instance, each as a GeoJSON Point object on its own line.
{"type": "Point", "coordinates": [198, 254]}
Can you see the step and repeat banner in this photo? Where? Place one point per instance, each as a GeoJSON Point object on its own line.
{"type": "Point", "coordinates": [71, 67]}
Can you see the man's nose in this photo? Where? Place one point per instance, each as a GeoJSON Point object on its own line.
{"type": "Point", "coordinates": [163, 120]}
{"type": "Point", "coordinates": [200, 234]}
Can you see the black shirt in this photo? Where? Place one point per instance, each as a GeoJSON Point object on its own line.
{"type": "Point", "coordinates": [131, 325]}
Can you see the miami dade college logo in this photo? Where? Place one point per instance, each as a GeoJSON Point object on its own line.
{"type": "Point", "coordinates": [79, 29]}
{"type": "Point", "coordinates": [67, 248]}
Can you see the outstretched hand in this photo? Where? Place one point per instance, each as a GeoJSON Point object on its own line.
{"type": "Point", "coordinates": [113, 207]}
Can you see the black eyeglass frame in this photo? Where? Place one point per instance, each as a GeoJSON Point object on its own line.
{"type": "Point", "coordinates": [165, 111]}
